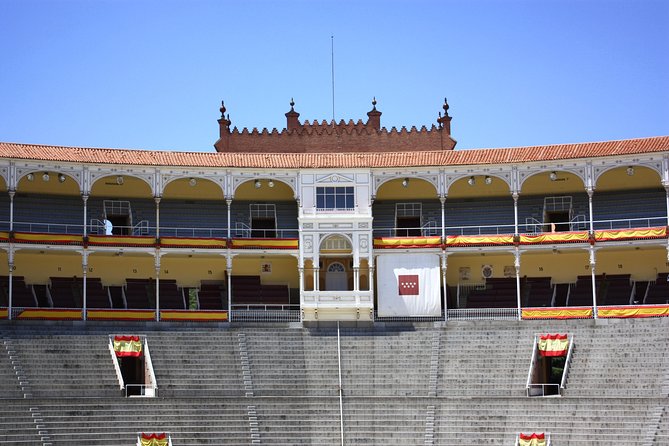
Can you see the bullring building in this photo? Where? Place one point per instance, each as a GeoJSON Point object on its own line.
{"type": "Point", "coordinates": [335, 221]}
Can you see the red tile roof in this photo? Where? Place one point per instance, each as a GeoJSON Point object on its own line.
{"type": "Point", "coordinates": [334, 160]}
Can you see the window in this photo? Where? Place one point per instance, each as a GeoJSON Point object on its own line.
{"type": "Point", "coordinates": [408, 219]}
{"type": "Point", "coordinates": [263, 220]}
{"type": "Point", "coordinates": [334, 198]}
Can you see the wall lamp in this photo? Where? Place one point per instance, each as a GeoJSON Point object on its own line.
{"type": "Point", "coordinates": [192, 182]}
{"type": "Point", "coordinates": [61, 178]}
{"type": "Point", "coordinates": [119, 180]}
{"type": "Point", "coordinates": [270, 183]}
{"type": "Point", "coordinates": [488, 180]}
{"type": "Point", "coordinates": [257, 184]}
{"type": "Point", "coordinates": [471, 181]}
{"type": "Point", "coordinates": [553, 176]}
{"type": "Point", "coordinates": [30, 177]}
{"type": "Point", "coordinates": [46, 176]}
{"type": "Point", "coordinates": [630, 170]}
{"type": "Point", "coordinates": [405, 182]}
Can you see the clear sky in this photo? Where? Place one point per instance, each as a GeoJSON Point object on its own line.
{"type": "Point", "coordinates": [151, 74]}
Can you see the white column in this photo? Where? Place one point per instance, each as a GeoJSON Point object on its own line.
{"type": "Point", "coordinates": [515, 213]}
{"type": "Point", "coordinates": [516, 264]}
{"type": "Point", "coordinates": [317, 272]}
{"type": "Point", "coordinates": [157, 199]}
{"type": "Point", "coordinates": [84, 266]}
{"type": "Point", "coordinates": [228, 202]}
{"type": "Point", "coordinates": [85, 198]}
{"type": "Point", "coordinates": [444, 266]}
{"type": "Point", "coordinates": [11, 210]}
{"type": "Point", "coordinates": [157, 266]}
{"type": "Point", "coordinates": [442, 199]}
{"type": "Point", "coordinates": [594, 287]}
{"type": "Point", "coordinates": [666, 190]}
{"type": "Point", "coordinates": [590, 192]}
{"type": "Point", "coordinates": [10, 256]}
{"type": "Point", "coordinates": [228, 270]}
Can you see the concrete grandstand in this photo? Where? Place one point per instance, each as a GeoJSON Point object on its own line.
{"type": "Point", "coordinates": [335, 283]}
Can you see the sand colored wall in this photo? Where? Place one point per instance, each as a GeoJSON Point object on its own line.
{"type": "Point", "coordinates": [283, 269]}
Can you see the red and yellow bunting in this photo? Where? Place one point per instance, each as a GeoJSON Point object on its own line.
{"type": "Point", "coordinates": [125, 346]}
{"type": "Point", "coordinates": [407, 242]}
{"type": "Point", "coordinates": [120, 240]}
{"type": "Point", "coordinates": [49, 314]}
{"type": "Point", "coordinates": [553, 345]}
{"type": "Point", "coordinates": [183, 242]}
{"type": "Point", "coordinates": [557, 313]}
{"type": "Point", "coordinates": [634, 311]}
{"type": "Point", "coordinates": [153, 439]}
{"type": "Point", "coordinates": [56, 239]}
{"type": "Point", "coordinates": [631, 234]}
{"type": "Point", "coordinates": [194, 315]}
{"type": "Point", "coordinates": [479, 240]}
{"type": "Point", "coordinates": [532, 439]}
{"type": "Point", "coordinates": [121, 315]}
{"type": "Point", "coordinates": [264, 243]}
{"type": "Point", "coordinates": [554, 237]}
{"type": "Point", "coordinates": [4, 313]}
{"type": "Point", "coordinates": [4, 236]}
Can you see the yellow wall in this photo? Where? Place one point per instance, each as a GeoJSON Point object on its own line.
{"type": "Point", "coordinates": [417, 189]}
{"type": "Point", "coordinates": [541, 184]}
{"type": "Point", "coordinates": [189, 271]}
{"type": "Point", "coordinates": [203, 190]}
{"type": "Point", "coordinates": [475, 263]}
{"type": "Point", "coordinates": [462, 189]}
{"type": "Point", "coordinates": [564, 266]}
{"type": "Point", "coordinates": [642, 264]}
{"type": "Point", "coordinates": [131, 188]}
{"type": "Point", "coordinates": [114, 270]}
{"type": "Point", "coordinates": [616, 179]}
{"type": "Point", "coordinates": [51, 187]}
{"type": "Point", "coordinates": [284, 269]}
{"type": "Point", "coordinates": [280, 191]}
{"type": "Point", "coordinates": [38, 268]}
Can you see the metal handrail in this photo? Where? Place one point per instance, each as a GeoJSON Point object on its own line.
{"type": "Point", "coordinates": [567, 363]}
{"type": "Point", "coordinates": [532, 363]}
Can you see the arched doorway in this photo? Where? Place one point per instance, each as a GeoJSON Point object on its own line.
{"type": "Point", "coordinates": [336, 278]}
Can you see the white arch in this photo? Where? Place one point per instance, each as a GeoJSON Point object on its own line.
{"type": "Point", "coordinates": [262, 178]}
{"type": "Point", "coordinates": [617, 166]}
{"type": "Point", "coordinates": [463, 176]}
{"type": "Point", "coordinates": [547, 172]}
{"type": "Point", "coordinates": [124, 174]}
{"type": "Point", "coordinates": [397, 177]}
{"type": "Point", "coordinates": [172, 180]}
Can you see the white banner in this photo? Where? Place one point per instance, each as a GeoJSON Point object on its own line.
{"type": "Point", "coordinates": [408, 285]}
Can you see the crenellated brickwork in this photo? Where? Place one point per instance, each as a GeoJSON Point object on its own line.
{"type": "Point", "coordinates": [334, 137]}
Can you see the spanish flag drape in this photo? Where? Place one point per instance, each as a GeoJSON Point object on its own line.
{"type": "Point", "coordinates": [532, 439]}
{"type": "Point", "coordinates": [553, 345]}
{"type": "Point", "coordinates": [127, 346]}
{"type": "Point", "coordinates": [153, 439]}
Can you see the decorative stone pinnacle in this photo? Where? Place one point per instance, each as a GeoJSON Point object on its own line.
{"type": "Point", "coordinates": [222, 109]}
{"type": "Point", "coordinates": [374, 103]}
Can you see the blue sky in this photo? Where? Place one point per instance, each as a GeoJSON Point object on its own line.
{"type": "Point", "coordinates": [151, 74]}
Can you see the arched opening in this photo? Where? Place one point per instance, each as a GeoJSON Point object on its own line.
{"type": "Point", "coordinates": [193, 207]}
{"type": "Point", "coordinates": [336, 266]}
{"type": "Point", "coordinates": [264, 208]}
{"type": "Point", "coordinates": [553, 201]}
{"type": "Point", "coordinates": [406, 207]}
{"type": "Point", "coordinates": [48, 202]}
{"type": "Point", "coordinates": [121, 205]}
{"type": "Point", "coordinates": [629, 197]}
{"type": "Point", "coordinates": [479, 204]}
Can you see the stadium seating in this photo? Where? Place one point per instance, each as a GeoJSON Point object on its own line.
{"type": "Point", "coordinates": [405, 383]}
